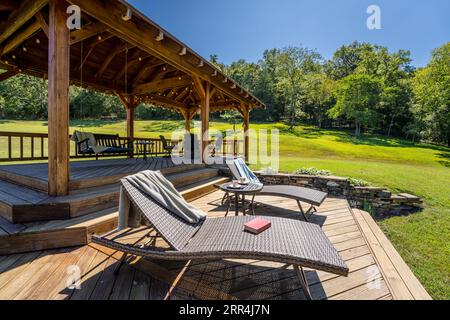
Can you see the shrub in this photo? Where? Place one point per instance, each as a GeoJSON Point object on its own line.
{"type": "Point", "coordinates": [358, 182]}
{"type": "Point", "coordinates": [313, 172]}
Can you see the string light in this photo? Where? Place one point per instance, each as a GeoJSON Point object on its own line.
{"type": "Point", "coordinates": [38, 41]}
{"type": "Point", "coordinates": [24, 49]}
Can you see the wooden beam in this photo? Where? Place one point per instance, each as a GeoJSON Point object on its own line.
{"type": "Point", "coordinates": [136, 58]}
{"type": "Point", "coordinates": [8, 5]}
{"type": "Point", "coordinates": [205, 120]}
{"type": "Point", "coordinates": [160, 85]}
{"type": "Point", "coordinates": [26, 11]}
{"type": "Point", "coordinates": [199, 88]}
{"type": "Point", "coordinates": [163, 101]}
{"type": "Point", "coordinates": [246, 114]}
{"type": "Point", "coordinates": [117, 49]}
{"type": "Point", "coordinates": [142, 72]}
{"type": "Point", "coordinates": [86, 32]}
{"type": "Point", "coordinates": [91, 46]}
{"type": "Point", "coordinates": [58, 99]}
{"type": "Point", "coordinates": [17, 40]}
{"type": "Point", "coordinates": [8, 74]}
{"type": "Point", "coordinates": [143, 36]}
{"type": "Point", "coordinates": [42, 22]}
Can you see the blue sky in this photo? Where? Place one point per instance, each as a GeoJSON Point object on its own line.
{"type": "Point", "coordinates": [235, 29]}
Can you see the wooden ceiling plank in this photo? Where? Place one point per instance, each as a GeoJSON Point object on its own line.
{"type": "Point", "coordinates": [19, 17]}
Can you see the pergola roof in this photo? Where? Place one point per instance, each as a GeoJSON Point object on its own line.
{"type": "Point", "coordinates": [134, 57]}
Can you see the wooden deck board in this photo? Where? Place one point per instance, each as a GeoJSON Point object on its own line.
{"type": "Point", "coordinates": [376, 271]}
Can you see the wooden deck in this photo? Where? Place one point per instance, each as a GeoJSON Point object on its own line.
{"type": "Point", "coordinates": [376, 269]}
{"type": "Point", "coordinates": [83, 174]}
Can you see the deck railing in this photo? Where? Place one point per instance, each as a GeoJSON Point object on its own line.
{"type": "Point", "coordinates": [21, 146]}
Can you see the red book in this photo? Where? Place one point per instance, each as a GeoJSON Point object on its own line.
{"type": "Point", "coordinates": [256, 226]}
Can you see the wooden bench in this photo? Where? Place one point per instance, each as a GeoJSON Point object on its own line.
{"type": "Point", "coordinates": [106, 140]}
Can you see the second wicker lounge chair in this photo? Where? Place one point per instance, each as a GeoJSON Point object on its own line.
{"type": "Point", "coordinates": [288, 241]}
{"type": "Point", "coordinates": [313, 197]}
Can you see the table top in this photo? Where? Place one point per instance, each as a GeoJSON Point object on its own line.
{"type": "Point", "coordinates": [144, 142]}
{"type": "Point", "coordinates": [248, 188]}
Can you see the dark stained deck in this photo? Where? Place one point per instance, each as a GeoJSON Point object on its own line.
{"type": "Point", "coordinates": [376, 269]}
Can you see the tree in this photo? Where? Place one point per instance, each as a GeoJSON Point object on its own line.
{"type": "Point", "coordinates": [294, 63]}
{"type": "Point", "coordinates": [320, 96]}
{"type": "Point", "coordinates": [431, 87]}
{"type": "Point", "coordinates": [358, 97]}
{"type": "Point", "coordinates": [345, 60]}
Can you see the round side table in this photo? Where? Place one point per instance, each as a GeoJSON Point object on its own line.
{"type": "Point", "coordinates": [240, 193]}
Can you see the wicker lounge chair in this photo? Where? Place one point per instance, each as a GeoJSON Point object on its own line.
{"type": "Point", "coordinates": [313, 197]}
{"type": "Point", "coordinates": [288, 241]}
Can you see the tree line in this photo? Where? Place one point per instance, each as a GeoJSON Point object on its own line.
{"type": "Point", "coordinates": [364, 87]}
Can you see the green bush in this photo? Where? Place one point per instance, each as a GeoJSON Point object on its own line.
{"type": "Point", "coordinates": [358, 182]}
{"type": "Point", "coordinates": [313, 172]}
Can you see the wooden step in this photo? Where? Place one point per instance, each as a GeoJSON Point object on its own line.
{"type": "Point", "coordinates": [195, 191]}
{"type": "Point", "coordinates": [15, 238]}
{"type": "Point", "coordinates": [35, 236]}
{"type": "Point", "coordinates": [19, 204]}
{"type": "Point", "coordinates": [192, 176]}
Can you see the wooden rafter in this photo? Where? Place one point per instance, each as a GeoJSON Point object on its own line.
{"type": "Point", "coordinates": [143, 35]}
{"type": "Point", "coordinates": [199, 88]}
{"type": "Point", "coordinates": [154, 86]}
{"type": "Point", "coordinates": [86, 32]}
{"type": "Point", "coordinates": [137, 57]}
{"type": "Point", "coordinates": [20, 37]}
{"type": "Point", "coordinates": [120, 47]}
{"type": "Point", "coordinates": [182, 95]}
{"type": "Point", "coordinates": [91, 46]}
{"type": "Point", "coordinates": [163, 101]}
{"type": "Point", "coordinates": [42, 22]}
{"type": "Point", "coordinates": [19, 17]}
{"type": "Point", "coordinates": [142, 72]}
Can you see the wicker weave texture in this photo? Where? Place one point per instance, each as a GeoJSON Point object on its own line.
{"type": "Point", "coordinates": [172, 228]}
{"type": "Point", "coordinates": [286, 240]}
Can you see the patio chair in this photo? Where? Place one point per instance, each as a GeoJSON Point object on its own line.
{"type": "Point", "coordinates": [166, 147]}
{"type": "Point", "coordinates": [313, 197]}
{"type": "Point", "coordinates": [288, 241]}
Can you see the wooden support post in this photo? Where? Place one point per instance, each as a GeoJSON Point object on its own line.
{"type": "Point", "coordinates": [58, 99]}
{"type": "Point", "coordinates": [246, 113]}
{"type": "Point", "coordinates": [130, 103]}
{"type": "Point", "coordinates": [187, 119]}
{"type": "Point", "coordinates": [130, 122]}
{"type": "Point", "coordinates": [205, 119]}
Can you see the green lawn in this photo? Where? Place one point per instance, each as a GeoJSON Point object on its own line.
{"type": "Point", "coordinates": [423, 239]}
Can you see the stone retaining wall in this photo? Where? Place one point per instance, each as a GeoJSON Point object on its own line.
{"type": "Point", "coordinates": [379, 201]}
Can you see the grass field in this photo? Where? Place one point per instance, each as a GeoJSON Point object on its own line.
{"type": "Point", "coordinates": [423, 239]}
